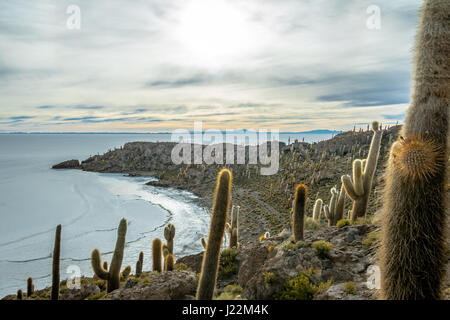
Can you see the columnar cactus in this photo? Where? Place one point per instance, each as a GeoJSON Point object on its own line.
{"type": "Point", "coordinates": [55, 264]}
{"type": "Point", "coordinates": [298, 211]}
{"type": "Point", "coordinates": [125, 273]}
{"type": "Point", "coordinates": [233, 228]}
{"type": "Point", "coordinates": [413, 245]}
{"type": "Point", "coordinates": [105, 265]}
{"type": "Point", "coordinates": [169, 262]}
{"type": "Point", "coordinates": [157, 254]}
{"type": "Point", "coordinates": [19, 295]}
{"type": "Point", "coordinates": [317, 210]}
{"type": "Point", "coordinates": [113, 275]}
{"type": "Point", "coordinates": [30, 287]}
{"type": "Point", "coordinates": [169, 234]}
{"type": "Point", "coordinates": [139, 264]}
{"type": "Point", "coordinates": [335, 211]}
{"type": "Point", "coordinates": [219, 216]}
{"type": "Point", "coordinates": [358, 188]}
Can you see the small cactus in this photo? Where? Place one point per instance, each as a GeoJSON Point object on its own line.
{"type": "Point", "coordinates": [113, 275]}
{"type": "Point", "coordinates": [358, 188]}
{"type": "Point", "coordinates": [335, 211]}
{"type": "Point", "coordinates": [139, 264]}
{"type": "Point", "coordinates": [157, 254]}
{"type": "Point", "coordinates": [125, 273]}
{"type": "Point", "coordinates": [203, 243]}
{"type": "Point", "coordinates": [219, 216]}
{"type": "Point", "coordinates": [234, 227]}
{"type": "Point", "coordinates": [317, 210]}
{"type": "Point", "coordinates": [169, 262]}
{"type": "Point", "coordinates": [169, 234]}
{"type": "Point", "coordinates": [298, 211]}
{"type": "Point", "coordinates": [30, 287]}
{"type": "Point", "coordinates": [55, 264]}
{"type": "Point", "coordinates": [105, 265]}
{"type": "Point", "coordinates": [19, 295]}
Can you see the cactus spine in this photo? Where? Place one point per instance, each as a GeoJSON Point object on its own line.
{"type": "Point", "coordinates": [298, 211]}
{"type": "Point", "coordinates": [139, 264]}
{"type": "Point", "coordinates": [113, 275]}
{"type": "Point", "coordinates": [55, 264]}
{"type": "Point", "coordinates": [219, 216]}
{"type": "Point", "coordinates": [413, 246]}
{"type": "Point", "coordinates": [157, 254]}
{"type": "Point", "coordinates": [317, 210]}
{"type": "Point", "coordinates": [358, 188]}
{"type": "Point", "coordinates": [30, 287]}
{"type": "Point", "coordinates": [335, 211]}
{"type": "Point", "coordinates": [169, 234]}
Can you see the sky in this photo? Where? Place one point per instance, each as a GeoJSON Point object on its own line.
{"type": "Point", "coordinates": [160, 65]}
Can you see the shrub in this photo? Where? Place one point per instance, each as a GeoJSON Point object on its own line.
{"type": "Point", "coordinates": [269, 277]}
{"type": "Point", "coordinates": [228, 264]}
{"type": "Point", "coordinates": [302, 287]}
{"type": "Point", "coordinates": [181, 267]}
{"type": "Point", "coordinates": [343, 222]}
{"type": "Point", "coordinates": [311, 224]}
{"type": "Point", "coordinates": [371, 241]}
{"type": "Point", "coordinates": [322, 248]}
{"type": "Point", "coordinates": [349, 287]}
{"type": "Point", "coordinates": [97, 296]}
{"type": "Point", "coordinates": [231, 292]}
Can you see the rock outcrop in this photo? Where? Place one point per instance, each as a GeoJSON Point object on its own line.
{"type": "Point", "coordinates": [69, 164]}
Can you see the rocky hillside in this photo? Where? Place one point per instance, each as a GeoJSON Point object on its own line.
{"type": "Point", "coordinates": [333, 262]}
{"type": "Point", "coordinates": [265, 201]}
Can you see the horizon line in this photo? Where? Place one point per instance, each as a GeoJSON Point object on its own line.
{"type": "Point", "coordinates": [324, 131]}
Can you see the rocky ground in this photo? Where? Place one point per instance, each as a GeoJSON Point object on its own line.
{"type": "Point", "coordinates": [331, 263]}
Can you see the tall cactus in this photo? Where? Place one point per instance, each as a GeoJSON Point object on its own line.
{"type": "Point", "coordinates": [157, 255]}
{"type": "Point", "coordinates": [55, 264]}
{"type": "Point", "coordinates": [169, 234]}
{"type": "Point", "coordinates": [298, 211]}
{"type": "Point", "coordinates": [219, 216]}
{"type": "Point", "coordinates": [317, 210]}
{"type": "Point", "coordinates": [233, 228]}
{"type": "Point", "coordinates": [139, 264]}
{"type": "Point", "coordinates": [413, 248]}
{"type": "Point", "coordinates": [113, 275]}
{"type": "Point", "coordinates": [335, 211]}
{"type": "Point", "coordinates": [358, 188]}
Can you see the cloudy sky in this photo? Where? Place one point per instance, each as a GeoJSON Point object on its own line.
{"type": "Point", "coordinates": [158, 65]}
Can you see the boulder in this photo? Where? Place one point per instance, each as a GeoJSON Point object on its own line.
{"type": "Point", "coordinates": [171, 285]}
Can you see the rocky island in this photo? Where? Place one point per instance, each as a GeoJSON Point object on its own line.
{"type": "Point", "coordinates": [335, 260]}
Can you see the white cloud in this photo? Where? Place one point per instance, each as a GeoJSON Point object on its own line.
{"type": "Point", "coordinates": [313, 61]}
